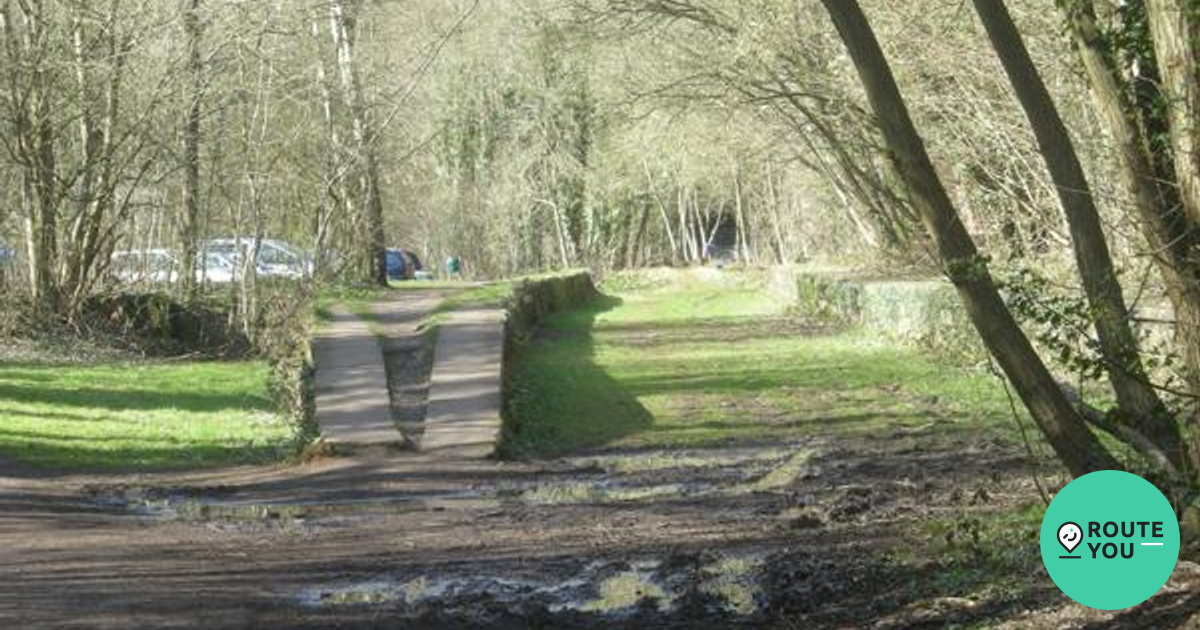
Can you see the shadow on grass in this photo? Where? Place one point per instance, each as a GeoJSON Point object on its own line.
{"type": "Point", "coordinates": [131, 399]}
{"type": "Point", "coordinates": [140, 417]}
{"type": "Point", "coordinates": [558, 398]}
{"type": "Point", "coordinates": [42, 459]}
{"type": "Point", "coordinates": [729, 329]}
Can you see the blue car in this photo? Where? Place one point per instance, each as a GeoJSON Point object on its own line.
{"type": "Point", "coordinates": [402, 264]}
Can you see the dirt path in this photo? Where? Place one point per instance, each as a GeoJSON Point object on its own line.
{"type": "Point", "coordinates": [798, 535]}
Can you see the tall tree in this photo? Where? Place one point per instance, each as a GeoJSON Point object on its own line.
{"type": "Point", "coordinates": [29, 70]}
{"type": "Point", "coordinates": [1118, 345]}
{"type": "Point", "coordinates": [343, 22]}
{"type": "Point", "coordinates": [193, 26]}
{"type": "Point", "coordinates": [1061, 423]}
{"type": "Point", "coordinates": [1148, 125]}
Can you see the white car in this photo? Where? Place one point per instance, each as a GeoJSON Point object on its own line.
{"type": "Point", "coordinates": [215, 268]}
{"type": "Point", "coordinates": [162, 266]}
{"type": "Point", "coordinates": [145, 266]}
{"type": "Point", "coordinates": [276, 259]}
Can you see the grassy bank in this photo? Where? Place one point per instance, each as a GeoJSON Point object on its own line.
{"type": "Point", "coordinates": [140, 415]}
{"type": "Point", "coordinates": [699, 361]}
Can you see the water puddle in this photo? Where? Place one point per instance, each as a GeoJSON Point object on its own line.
{"type": "Point", "coordinates": [627, 591]}
{"type": "Point", "coordinates": [734, 581]}
{"type": "Point", "coordinates": [206, 506]}
{"type": "Point", "coordinates": [793, 468]}
{"type": "Point", "coordinates": [600, 493]}
{"type": "Point", "coordinates": [750, 459]}
{"type": "Point", "coordinates": [630, 478]}
{"type": "Point", "coordinates": [612, 588]}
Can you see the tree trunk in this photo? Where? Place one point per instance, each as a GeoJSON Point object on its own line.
{"type": "Point", "coordinates": [1175, 29]}
{"type": "Point", "coordinates": [90, 240]}
{"type": "Point", "coordinates": [1150, 178]}
{"type": "Point", "coordinates": [1118, 345]}
{"type": "Point", "coordinates": [190, 235]}
{"type": "Point", "coordinates": [662, 211]}
{"type": "Point", "coordinates": [782, 250]}
{"type": "Point", "coordinates": [633, 252]}
{"type": "Point", "coordinates": [1064, 428]}
{"type": "Point", "coordinates": [365, 140]}
{"type": "Point", "coordinates": [333, 193]}
{"type": "Point", "coordinates": [743, 229]}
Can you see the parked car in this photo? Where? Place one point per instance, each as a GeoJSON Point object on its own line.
{"type": "Point", "coordinates": [276, 259]}
{"type": "Point", "coordinates": [216, 268]}
{"type": "Point", "coordinates": [142, 266]}
{"type": "Point", "coordinates": [162, 266]}
{"type": "Point", "coordinates": [397, 266]}
{"type": "Point", "coordinates": [403, 265]}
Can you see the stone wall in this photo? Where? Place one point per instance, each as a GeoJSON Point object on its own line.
{"type": "Point", "coordinates": [536, 297]}
{"type": "Point", "coordinates": [926, 314]}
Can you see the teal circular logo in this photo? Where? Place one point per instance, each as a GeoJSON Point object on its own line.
{"type": "Point", "coordinates": [1110, 540]}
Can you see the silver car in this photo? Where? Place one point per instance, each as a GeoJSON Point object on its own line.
{"type": "Point", "coordinates": [145, 266]}
{"type": "Point", "coordinates": [276, 259]}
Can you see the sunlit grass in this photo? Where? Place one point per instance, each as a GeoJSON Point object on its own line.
{"type": "Point", "coordinates": [140, 415]}
{"type": "Point", "coordinates": [703, 363]}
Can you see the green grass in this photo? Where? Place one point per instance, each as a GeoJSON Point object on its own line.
{"type": "Point", "coordinates": [703, 361]}
{"type": "Point", "coordinates": [984, 554]}
{"type": "Point", "coordinates": [421, 285]}
{"type": "Point", "coordinates": [140, 416]}
{"type": "Point", "coordinates": [356, 299]}
{"type": "Point", "coordinates": [492, 294]}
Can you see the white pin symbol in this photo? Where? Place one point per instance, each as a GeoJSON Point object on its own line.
{"type": "Point", "coordinates": [1069, 536]}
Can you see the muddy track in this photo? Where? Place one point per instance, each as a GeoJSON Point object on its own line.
{"type": "Point", "coordinates": [741, 536]}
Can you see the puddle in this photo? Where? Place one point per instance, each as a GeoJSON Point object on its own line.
{"type": "Point", "coordinates": [610, 588]}
{"type": "Point", "coordinates": [599, 492]}
{"type": "Point", "coordinates": [198, 506]}
{"type": "Point", "coordinates": [789, 471]}
{"type": "Point", "coordinates": [754, 459]}
{"type": "Point", "coordinates": [364, 594]}
{"type": "Point", "coordinates": [743, 471]}
{"type": "Point", "coordinates": [734, 581]}
{"type": "Point", "coordinates": [627, 591]}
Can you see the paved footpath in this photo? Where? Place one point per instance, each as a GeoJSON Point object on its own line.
{"type": "Point", "coordinates": [401, 313]}
{"type": "Point", "coordinates": [463, 417]}
{"type": "Point", "coordinates": [353, 408]}
{"type": "Point", "coordinates": [463, 413]}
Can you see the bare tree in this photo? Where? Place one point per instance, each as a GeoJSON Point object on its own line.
{"type": "Point", "coordinates": [343, 24]}
{"type": "Point", "coordinates": [193, 26]}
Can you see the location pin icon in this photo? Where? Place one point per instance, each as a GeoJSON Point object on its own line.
{"type": "Point", "coordinates": [1069, 536]}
